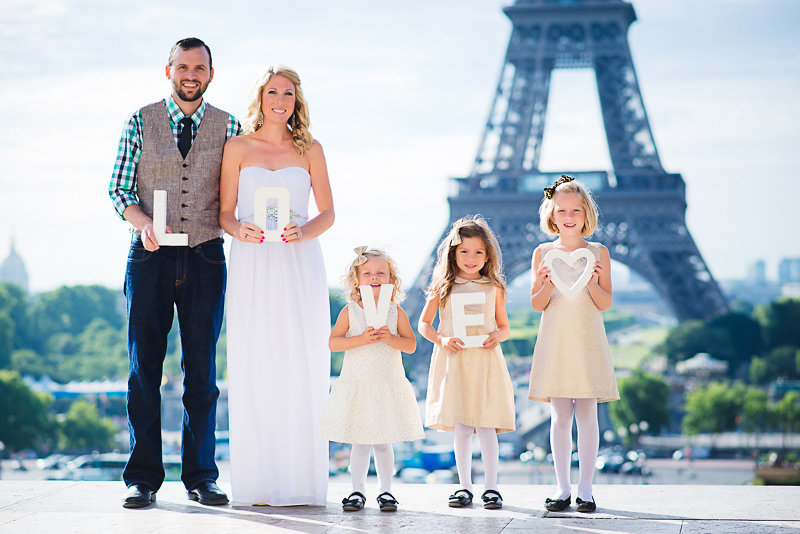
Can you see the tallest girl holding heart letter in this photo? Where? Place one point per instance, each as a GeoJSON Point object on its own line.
{"type": "Point", "coordinates": [571, 286]}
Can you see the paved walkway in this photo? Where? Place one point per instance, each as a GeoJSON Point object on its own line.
{"type": "Point", "coordinates": [95, 507]}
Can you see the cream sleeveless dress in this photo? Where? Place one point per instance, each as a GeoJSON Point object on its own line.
{"type": "Point", "coordinates": [372, 402]}
{"type": "Point", "coordinates": [471, 387]}
{"type": "Point", "coordinates": [278, 323]}
{"type": "Point", "coordinates": [571, 358]}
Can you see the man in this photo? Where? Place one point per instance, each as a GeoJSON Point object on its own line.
{"type": "Point", "coordinates": [174, 145]}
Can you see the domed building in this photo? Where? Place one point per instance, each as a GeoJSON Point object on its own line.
{"type": "Point", "coordinates": [13, 269]}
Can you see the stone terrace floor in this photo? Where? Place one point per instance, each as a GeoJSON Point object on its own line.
{"type": "Point", "coordinates": [30, 507]}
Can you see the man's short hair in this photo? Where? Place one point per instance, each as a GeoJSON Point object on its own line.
{"type": "Point", "coordinates": [188, 44]}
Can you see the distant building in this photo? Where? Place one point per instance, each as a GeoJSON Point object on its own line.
{"type": "Point", "coordinates": [13, 269]}
{"type": "Point", "coordinates": [757, 273]}
{"type": "Point", "coordinates": [789, 271]}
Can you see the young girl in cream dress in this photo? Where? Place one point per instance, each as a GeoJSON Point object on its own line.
{"type": "Point", "coordinates": [571, 362]}
{"type": "Point", "coordinates": [372, 403]}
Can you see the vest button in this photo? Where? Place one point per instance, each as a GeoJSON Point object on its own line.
{"type": "Point", "coordinates": [184, 192]}
{"type": "Point", "coordinates": [185, 165]}
{"type": "Point", "coordinates": [184, 219]}
{"type": "Point", "coordinates": [185, 179]}
{"type": "Point", "coordinates": [184, 205]}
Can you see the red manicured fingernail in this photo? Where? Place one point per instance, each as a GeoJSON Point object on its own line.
{"type": "Point", "coordinates": [262, 231]}
{"type": "Point", "coordinates": [281, 235]}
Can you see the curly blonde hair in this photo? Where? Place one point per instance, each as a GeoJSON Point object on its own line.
{"type": "Point", "coordinates": [350, 278]}
{"type": "Point", "coordinates": [298, 123]}
{"type": "Point", "coordinates": [546, 208]}
{"type": "Point", "coordinates": [445, 270]}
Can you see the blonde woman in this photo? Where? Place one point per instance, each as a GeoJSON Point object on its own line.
{"type": "Point", "coordinates": [278, 315]}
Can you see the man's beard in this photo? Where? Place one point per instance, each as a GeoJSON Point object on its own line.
{"type": "Point", "coordinates": [176, 86]}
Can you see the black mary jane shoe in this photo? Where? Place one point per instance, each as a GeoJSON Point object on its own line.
{"type": "Point", "coordinates": [353, 502]}
{"type": "Point", "coordinates": [586, 506]}
{"type": "Point", "coordinates": [557, 505]}
{"type": "Point", "coordinates": [492, 499]}
{"type": "Point", "coordinates": [460, 499]}
{"type": "Point", "coordinates": [387, 502]}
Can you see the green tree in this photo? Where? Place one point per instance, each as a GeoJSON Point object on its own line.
{"type": "Point", "coordinates": [71, 309]}
{"type": "Point", "coordinates": [691, 337]}
{"type": "Point", "coordinates": [23, 413]}
{"type": "Point", "coordinates": [6, 339]}
{"type": "Point", "coordinates": [643, 397]}
{"type": "Point", "coordinates": [756, 413]}
{"type": "Point", "coordinates": [780, 362]}
{"type": "Point", "coordinates": [83, 429]}
{"type": "Point", "coordinates": [787, 414]}
{"type": "Point", "coordinates": [14, 301]}
{"type": "Point", "coordinates": [713, 408]}
{"type": "Point", "coordinates": [29, 362]}
{"type": "Point", "coordinates": [745, 334]}
{"type": "Point", "coordinates": [780, 320]}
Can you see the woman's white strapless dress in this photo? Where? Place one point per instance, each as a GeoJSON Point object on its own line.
{"type": "Point", "coordinates": [278, 324]}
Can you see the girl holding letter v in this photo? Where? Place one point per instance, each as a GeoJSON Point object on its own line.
{"type": "Point", "coordinates": [277, 298]}
{"type": "Point", "coordinates": [372, 403]}
{"type": "Point", "coordinates": [469, 388]}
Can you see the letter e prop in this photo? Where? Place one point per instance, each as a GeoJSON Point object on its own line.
{"type": "Point", "coordinates": [160, 223]}
{"type": "Point", "coordinates": [376, 316]}
{"type": "Point", "coordinates": [461, 320]}
{"type": "Point", "coordinates": [281, 195]}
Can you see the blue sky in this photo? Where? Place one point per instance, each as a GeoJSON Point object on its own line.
{"type": "Point", "coordinates": [399, 94]}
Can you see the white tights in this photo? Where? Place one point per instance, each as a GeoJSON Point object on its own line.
{"type": "Point", "coordinates": [561, 411]}
{"type": "Point", "coordinates": [490, 454]}
{"type": "Point", "coordinates": [384, 465]}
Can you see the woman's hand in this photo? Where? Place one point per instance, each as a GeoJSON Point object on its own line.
{"type": "Point", "coordinates": [249, 233]}
{"type": "Point", "coordinates": [292, 233]}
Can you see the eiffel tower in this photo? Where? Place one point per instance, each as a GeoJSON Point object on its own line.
{"type": "Point", "coordinates": [642, 206]}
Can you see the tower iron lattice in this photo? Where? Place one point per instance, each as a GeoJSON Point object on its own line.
{"type": "Point", "coordinates": [642, 206]}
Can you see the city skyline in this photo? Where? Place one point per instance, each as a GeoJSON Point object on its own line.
{"type": "Point", "coordinates": [398, 112]}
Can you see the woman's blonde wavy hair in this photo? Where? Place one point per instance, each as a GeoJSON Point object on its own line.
{"type": "Point", "coordinates": [350, 278]}
{"type": "Point", "coordinates": [446, 269]}
{"type": "Point", "coordinates": [298, 123]}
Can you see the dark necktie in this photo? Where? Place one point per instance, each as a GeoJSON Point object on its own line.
{"type": "Point", "coordinates": [185, 139]}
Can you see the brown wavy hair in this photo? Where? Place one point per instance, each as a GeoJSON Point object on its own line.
{"type": "Point", "coordinates": [298, 123]}
{"type": "Point", "coordinates": [444, 272]}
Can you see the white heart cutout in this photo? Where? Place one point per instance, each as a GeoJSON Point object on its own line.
{"type": "Point", "coordinates": [570, 259]}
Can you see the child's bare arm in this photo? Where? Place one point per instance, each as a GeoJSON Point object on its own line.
{"type": "Point", "coordinates": [426, 329]}
{"type": "Point", "coordinates": [541, 286]}
{"type": "Point", "coordinates": [404, 341]}
{"type": "Point", "coordinates": [503, 331]}
{"type": "Point", "coordinates": [600, 284]}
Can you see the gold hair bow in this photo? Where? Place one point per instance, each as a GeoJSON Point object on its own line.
{"type": "Point", "coordinates": [361, 259]}
{"type": "Point", "coordinates": [550, 191]}
{"type": "Point", "coordinates": [455, 240]}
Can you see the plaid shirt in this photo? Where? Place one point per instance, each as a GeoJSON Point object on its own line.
{"type": "Point", "coordinates": [122, 189]}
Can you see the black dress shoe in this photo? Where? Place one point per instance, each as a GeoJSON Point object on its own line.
{"type": "Point", "coordinates": [138, 496]}
{"type": "Point", "coordinates": [557, 505]}
{"type": "Point", "coordinates": [207, 493]}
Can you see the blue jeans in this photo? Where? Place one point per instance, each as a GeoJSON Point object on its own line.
{"type": "Point", "coordinates": [191, 279]}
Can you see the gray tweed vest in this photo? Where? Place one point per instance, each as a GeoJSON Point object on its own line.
{"type": "Point", "coordinates": [192, 184]}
